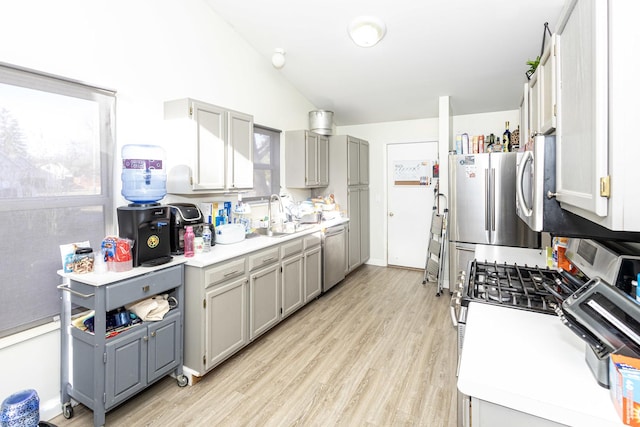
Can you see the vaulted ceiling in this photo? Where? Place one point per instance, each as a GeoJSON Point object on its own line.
{"type": "Point", "coordinates": [474, 51]}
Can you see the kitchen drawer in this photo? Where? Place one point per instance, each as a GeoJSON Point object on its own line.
{"type": "Point", "coordinates": [265, 257]}
{"type": "Point", "coordinates": [312, 240]}
{"type": "Point", "coordinates": [121, 293]}
{"type": "Point", "coordinates": [291, 248]}
{"type": "Point", "coordinates": [223, 272]}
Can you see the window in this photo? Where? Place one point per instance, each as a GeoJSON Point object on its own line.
{"type": "Point", "coordinates": [56, 161]}
{"type": "Point", "coordinates": [266, 163]}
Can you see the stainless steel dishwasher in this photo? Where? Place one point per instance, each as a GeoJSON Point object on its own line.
{"type": "Point", "coordinates": [334, 262]}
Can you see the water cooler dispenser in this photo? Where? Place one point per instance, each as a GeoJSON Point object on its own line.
{"type": "Point", "coordinates": [144, 220]}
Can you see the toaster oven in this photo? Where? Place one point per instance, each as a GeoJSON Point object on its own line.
{"type": "Point", "coordinates": [603, 312]}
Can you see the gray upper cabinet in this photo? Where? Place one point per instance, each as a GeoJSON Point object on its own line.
{"type": "Point", "coordinates": [353, 161]}
{"type": "Point", "coordinates": [596, 174]}
{"type": "Point", "coordinates": [581, 145]}
{"type": "Point", "coordinates": [312, 149]}
{"type": "Point", "coordinates": [548, 88]}
{"type": "Point", "coordinates": [240, 151]}
{"type": "Point", "coordinates": [213, 143]}
{"type": "Point", "coordinates": [357, 161]}
{"type": "Point", "coordinates": [363, 162]}
{"type": "Point", "coordinates": [323, 160]}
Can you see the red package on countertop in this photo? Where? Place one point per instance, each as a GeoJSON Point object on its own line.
{"type": "Point", "coordinates": [117, 253]}
{"type": "Point", "coordinates": [123, 250]}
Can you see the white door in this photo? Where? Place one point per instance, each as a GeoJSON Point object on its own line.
{"type": "Point", "coordinates": [410, 201]}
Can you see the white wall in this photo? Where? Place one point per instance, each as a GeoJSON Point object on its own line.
{"type": "Point", "coordinates": [485, 123]}
{"type": "Point", "coordinates": [381, 134]}
{"type": "Point", "coordinates": [148, 51]}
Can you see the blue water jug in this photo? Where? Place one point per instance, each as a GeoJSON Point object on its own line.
{"type": "Point", "coordinates": [144, 179]}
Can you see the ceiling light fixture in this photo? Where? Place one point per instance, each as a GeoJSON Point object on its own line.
{"type": "Point", "coordinates": [278, 58]}
{"type": "Point", "coordinates": [367, 31]}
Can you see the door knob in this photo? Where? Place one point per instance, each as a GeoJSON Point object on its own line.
{"type": "Point", "coordinates": [390, 213]}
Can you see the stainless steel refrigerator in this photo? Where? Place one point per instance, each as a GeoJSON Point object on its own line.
{"type": "Point", "coordinates": [482, 207]}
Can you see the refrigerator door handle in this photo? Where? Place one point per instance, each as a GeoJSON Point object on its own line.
{"type": "Point", "coordinates": [486, 200]}
{"type": "Point", "coordinates": [493, 199]}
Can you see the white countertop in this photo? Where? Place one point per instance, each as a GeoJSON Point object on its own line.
{"type": "Point", "coordinates": [221, 253]}
{"type": "Point", "coordinates": [217, 254]}
{"type": "Point", "coordinates": [534, 364]}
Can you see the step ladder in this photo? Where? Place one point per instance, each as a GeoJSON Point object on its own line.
{"type": "Point", "coordinates": [436, 247]}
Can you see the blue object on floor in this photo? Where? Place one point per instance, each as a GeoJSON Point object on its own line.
{"type": "Point", "coordinates": [21, 409]}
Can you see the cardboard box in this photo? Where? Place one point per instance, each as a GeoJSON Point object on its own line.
{"type": "Point", "coordinates": [624, 383]}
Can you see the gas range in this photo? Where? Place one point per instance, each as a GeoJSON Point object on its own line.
{"type": "Point", "coordinates": [537, 289]}
{"type": "Point", "coordinates": [511, 285]}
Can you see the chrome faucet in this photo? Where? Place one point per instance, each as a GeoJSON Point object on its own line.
{"type": "Point", "coordinates": [270, 226]}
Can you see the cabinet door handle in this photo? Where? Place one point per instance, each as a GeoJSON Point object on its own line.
{"type": "Point", "coordinates": [230, 273]}
{"type": "Point", "coordinates": [267, 259]}
{"type": "Point", "coordinates": [146, 288]}
{"type": "Point", "coordinates": [153, 334]}
{"type": "Point", "coordinates": [145, 338]}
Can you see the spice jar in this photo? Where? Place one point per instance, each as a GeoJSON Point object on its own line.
{"type": "Point", "coordinates": [83, 261]}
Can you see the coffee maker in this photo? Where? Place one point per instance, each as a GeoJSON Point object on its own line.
{"type": "Point", "coordinates": [183, 214]}
{"type": "Point", "coordinates": [148, 226]}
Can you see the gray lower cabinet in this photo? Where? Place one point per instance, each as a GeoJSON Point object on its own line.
{"type": "Point", "coordinates": [102, 371]}
{"type": "Point", "coordinates": [226, 320]}
{"type": "Point", "coordinates": [215, 313]}
{"type": "Point", "coordinates": [354, 230]}
{"type": "Point", "coordinates": [292, 276]}
{"type": "Point", "coordinates": [264, 299]}
{"type": "Point", "coordinates": [231, 303]}
{"type": "Point", "coordinates": [146, 355]}
{"type": "Point", "coordinates": [312, 266]}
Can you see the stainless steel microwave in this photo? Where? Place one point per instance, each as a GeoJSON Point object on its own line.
{"type": "Point", "coordinates": [533, 167]}
{"type": "Point", "coordinates": [536, 205]}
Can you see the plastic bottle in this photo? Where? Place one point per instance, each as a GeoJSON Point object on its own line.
{"type": "Point", "coordinates": [189, 237]}
{"type": "Point", "coordinates": [144, 179]}
{"type": "Point", "coordinates": [206, 237]}
{"type": "Point", "coordinates": [638, 289]}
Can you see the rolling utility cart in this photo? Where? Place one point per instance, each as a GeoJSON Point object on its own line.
{"type": "Point", "coordinates": [102, 369]}
{"type": "Point", "coordinates": [433, 270]}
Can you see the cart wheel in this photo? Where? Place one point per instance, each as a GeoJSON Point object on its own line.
{"type": "Point", "coordinates": [182, 380]}
{"type": "Point", "coordinates": [437, 294]}
{"type": "Point", "coordinates": [424, 282]}
{"type": "Point", "coordinates": [67, 410]}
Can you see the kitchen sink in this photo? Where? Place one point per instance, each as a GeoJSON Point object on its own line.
{"type": "Point", "coordinates": [297, 229]}
{"type": "Point", "coordinates": [265, 232]}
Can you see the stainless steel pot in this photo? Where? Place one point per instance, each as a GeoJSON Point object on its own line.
{"type": "Point", "coordinates": [321, 121]}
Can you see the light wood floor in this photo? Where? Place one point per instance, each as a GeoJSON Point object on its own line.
{"type": "Point", "coordinates": [377, 350]}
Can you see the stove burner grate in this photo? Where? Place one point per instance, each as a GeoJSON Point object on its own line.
{"type": "Point", "coordinates": [530, 288]}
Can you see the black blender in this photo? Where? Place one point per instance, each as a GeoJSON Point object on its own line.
{"type": "Point", "coordinates": [144, 220]}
